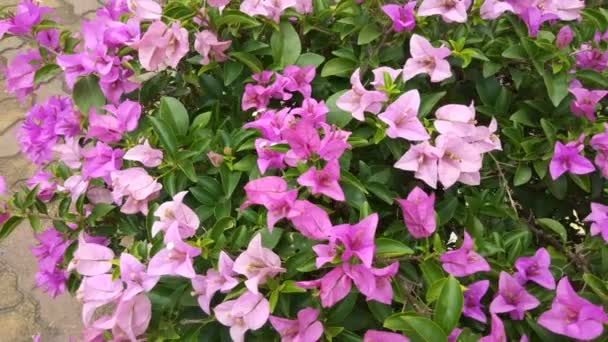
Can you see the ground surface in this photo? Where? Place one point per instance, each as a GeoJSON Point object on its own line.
{"type": "Point", "coordinates": [24, 310]}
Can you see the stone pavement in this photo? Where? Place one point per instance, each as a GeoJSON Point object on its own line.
{"type": "Point", "coordinates": [24, 310]}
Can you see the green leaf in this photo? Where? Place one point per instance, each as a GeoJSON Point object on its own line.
{"type": "Point", "coordinates": [270, 240]}
{"type": "Point", "coordinates": [553, 226]}
{"type": "Point", "coordinates": [35, 222]}
{"type": "Point", "coordinates": [249, 60]}
{"type": "Point", "coordinates": [449, 305]}
{"type": "Point", "coordinates": [593, 78]}
{"type": "Point", "coordinates": [234, 17]}
{"type": "Point", "coordinates": [166, 134]}
{"type": "Point", "coordinates": [368, 33]}
{"type": "Point", "coordinates": [290, 43]}
{"type": "Point", "coordinates": [336, 116]}
{"type": "Point", "coordinates": [201, 121]}
{"type": "Point", "coordinates": [310, 58]}
{"type": "Point", "coordinates": [221, 226]}
{"type": "Point", "coordinates": [597, 285]}
{"type": "Point", "coordinates": [389, 248]}
{"type": "Point", "coordinates": [557, 86]}
{"type": "Point", "coordinates": [174, 113]}
{"type": "Point", "coordinates": [428, 101]}
{"type": "Point", "coordinates": [9, 226]}
{"type": "Point", "coordinates": [232, 70]}
{"type": "Point", "coordinates": [416, 328]}
{"type": "Point", "coordinates": [87, 94]}
{"type": "Point", "coordinates": [340, 311]}
{"type": "Point", "coordinates": [46, 73]}
{"type": "Point", "coordinates": [338, 67]}
{"type": "Point", "coordinates": [99, 211]}
{"type": "Point", "coordinates": [435, 290]}
{"type": "Point", "coordinates": [582, 181]}
{"type": "Point", "coordinates": [523, 174]}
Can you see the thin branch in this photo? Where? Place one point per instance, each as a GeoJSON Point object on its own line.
{"type": "Point", "coordinates": [505, 184]}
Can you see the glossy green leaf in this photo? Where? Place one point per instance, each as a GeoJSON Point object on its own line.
{"type": "Point", "coordinates": [416, 328]}
{"type": "Point", "coordinates": [449, 305]}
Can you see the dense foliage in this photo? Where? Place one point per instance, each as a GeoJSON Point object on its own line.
{"type": "Point", "coordinates": [319, 170]}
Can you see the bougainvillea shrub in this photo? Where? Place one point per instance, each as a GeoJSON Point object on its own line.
{"type": "Point", "coordinates": [304, 170]}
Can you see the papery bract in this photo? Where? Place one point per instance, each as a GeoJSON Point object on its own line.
{"type": "Point", "coordinates": [248, 312]}
{"type": "Point", "coordinates": [258, 264]}
{"type": "Point", "coordinates": [402, 120]}
{"type": "Point", "coordinates": [536, 269]}
{"type": "Point", "coordinates": [427, 59]}
{"type": "Point", "coordinates": [419, 213]}
{"type": "Point", "coordinates": [573, 316]}
{"type": "Point", "coordinates": [464, 261]}
{"type": "Point", "coordinates": [472, 300]}
{"type": "Point", "coordinates": [359, 100]}
{"type": "Point", "coordinates": [512, 298]}
{"type": "Point", "coordinates": [305, 328]}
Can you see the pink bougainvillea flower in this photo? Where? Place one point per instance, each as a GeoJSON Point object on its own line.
{"type": "Point", "coordinates": [220, 4]}
{"type": "Point", "coordinates": [512, 298]}
{"type": "Point", "coordinates": [48, 38]}
{"type": "Point", "coordinates": [585, 101]}
{"type": "Point", "coordinates": [133, 273]}
{"type": "Point", "coordinates": [2, 186]}
{"type": "Point", "coordinates": [599, 220]}
{"type": "Point", "coordinates": [274, 8]}
{"type": "Point", "coordinates": [449, 10]}
{"type": "Point", "coordinates": [258, 264]}
{"type": "Point", "coordinates": [380, 72]}
{"type": "Point", "coordinates": [272, 123]}
{"type": "Point", "coordinates": [484, 138]}
{"type": "Point", "coordinates": [91, 259]}
{"type": "Point", "coordinates": [272, 193]}
{"type": "Point", "coordinates": [101, 161]}
{"type": "Point", "coordinates": [76, 185]}
{"type": "Point", "coordinates": [536, 269]}
{"type": "Point", "coordinates": [459, 161]}
{"type": "Point", "coordinates": [422, 159]}
{"type": "Point", "coordinates": [402, 16]}
{"type": "Point", "coordinates": [210, 48]}
{"type": "Point", "coordinates": [145, 9]}
{"type": "Point", "coordinates": [215, 158]}
{"type": "Point", "coordinates": [145, 154]}
{"type": "Point", "coordinates": [74, 66]}
{"type": "Point", "coordinates": [464, 261]}
{"type": "Point", "coordinates": [401, 117]}
{"type": "Point", "coordinates": [564, 37]}
{"type": "Point", "coordinates": [310, 220]}
{"type": "Point", "coordinates": [303, 139]}
{"type": "Point", "coordinates": [419, 213]}
{"type": "Point", "coordinates": [152, 47]}
{"type": "Point", "coordinates": [567, 158]}
{"type": "Point", "coordinates": [599, 143]}
{"type": "Point", "coordinates": [267, 158]}
{"type": "Point", "coordinates": [111, 127]}
{"type": "Point", "coordinates": [27, 14]}
{"type": "Point", "coordinates": [497, 334]}
{"type": "Point", "coordinates": [383, 336]}
{"type": "Point", "coordinates": [176, 258]}
{"type": "Point", "coordinates": [305, 328]}
{"type": "Point", "coordinates": [374, 283]}
{"type": "Point", "coordinates": [358, 239]}
{"type": "Point", "coordinates": [130, 319]}
{"type": "Point", "coordinates": [97, 291]}
{"type": "Point", "coordinates": [312, 111]}
{"type": "Point", "coordinates": [162, 46]}
{"type": "Point", "coordinates": [137, 186]}
{"type": "Point", "coordinates": [455, 119]}
{"type": "Point", "coordinates": [333, 286]}
{"type": "Point", "coordinates": [334, 143]}
{"type": "Point", "coordinates": [324, 181]}
{"type": "Point", "coordinates": [359, 100]}
{"type": "Point", "coordinates": [472, 300]}
{"type": "Point", "coordinates": [224, 280]}
{"type": "Point", "coordinates": [492, 9]}
{"type": "Point", "coordinates": [19, 73]}
{"type": "Point", "coordinates": [299, 79]}
{"type": "Point", "coordinates": [69, 153]}
{"type": "Point", "coordinates": [248, 312]}
{"type": "Point", "coordinates": [45, 183]}
{"type": "Point", "coordinates": [427, 59]}
{"type": "Point", "coordinates": [573, 316]}
{"type": "Point", "coordinates": [591, 58]}
{"type": "Point", "coordinates": [176, 212]}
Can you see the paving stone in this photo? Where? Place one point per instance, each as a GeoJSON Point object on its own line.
{"type": "Point", "coordinates": [8, 144]}
{"type": "Point", "coordinates": [10, 296]}
{"type": "Point", "coordinates": [20, 324]}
